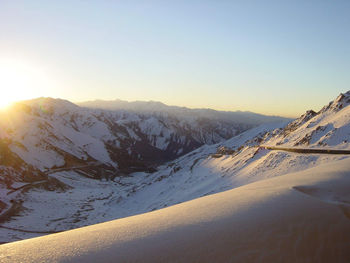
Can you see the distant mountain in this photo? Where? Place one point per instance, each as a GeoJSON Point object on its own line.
{"type": "Point", "coordinates": [52, 133]}
{"type": "Point", "coordinates": [159, 108]}
{"type": "Point", "coordinates": [75, 147]}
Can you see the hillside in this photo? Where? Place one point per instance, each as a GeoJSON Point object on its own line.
{"type": "Point", "coordinates": [48, 133]}
{"type": "Point", "coordinates": [297, 217]}
{"type": "Point", "coordinates": [207, 170]}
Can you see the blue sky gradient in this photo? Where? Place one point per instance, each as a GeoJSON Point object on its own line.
{"type": "Point", "coordinates": [271, 57]}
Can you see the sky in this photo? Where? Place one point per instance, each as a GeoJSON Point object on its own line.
{"type": "Point", "coordinates": [271, 57]}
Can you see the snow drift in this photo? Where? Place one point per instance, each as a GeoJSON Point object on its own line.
{"type": "Point", "coordinates": [298, 217]}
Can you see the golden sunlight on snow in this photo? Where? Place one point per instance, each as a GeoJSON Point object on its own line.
{"type": "Point", "coordinates": [297, 217]}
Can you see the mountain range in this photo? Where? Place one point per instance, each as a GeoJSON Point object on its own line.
{"type": "Point", "coordinates": [68, 166]}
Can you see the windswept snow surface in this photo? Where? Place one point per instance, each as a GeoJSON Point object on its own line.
{"type": "Point", "coordinates": [298, 217]}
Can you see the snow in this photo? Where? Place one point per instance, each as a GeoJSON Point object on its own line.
{"type": "Point", "coordinates": [199, 173]}
{"type": "Point", "coordinates": [191, 176]}
{"type": "Point", "coordinates": [328, 128]}
{"type": "Point", "coordinates": [44, 131]}
{"type": "Point", "coordinates": [297, 217]}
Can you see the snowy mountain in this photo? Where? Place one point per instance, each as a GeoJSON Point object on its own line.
{"type": "Point", "coordinates": [49, 133]}
{"type": "Point", "coordinates": [208, 169]}
{"type": "Point", "coordinates": [161, 109]}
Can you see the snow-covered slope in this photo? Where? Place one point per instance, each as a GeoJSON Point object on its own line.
{"type": "Point", "coordinates": [207, 170]}
{"type": "Point", "coordinates": [240, 160]}
{"type": "Point", "coordinates": [41, 139]}
{"type": "Point", "coordinates": [329, 127]}
{"type": "Point", "coordinates": [91, 201]}
{"type": "Point", "coordinates": [298, 217]}
{"type": "Point", "coordinates": [49, 133]}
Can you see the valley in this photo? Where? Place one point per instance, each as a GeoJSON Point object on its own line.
{"type": "Point", "coordinates": [92, 193]}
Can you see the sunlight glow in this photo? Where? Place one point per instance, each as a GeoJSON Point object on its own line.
{"type": "Point", "coordinates": [20, 81]}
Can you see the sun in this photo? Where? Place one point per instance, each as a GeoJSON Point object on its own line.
{"type": "Point", "coordinates": [19, 81]}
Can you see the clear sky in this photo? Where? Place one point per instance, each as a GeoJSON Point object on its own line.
{"type": "Point", "coordinates": [272, 57]}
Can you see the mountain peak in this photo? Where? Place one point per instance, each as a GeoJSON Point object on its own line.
{"type": "Point", "coordinates": [49, 105]}
{"type": "Point", "coordinates": [339, 103]}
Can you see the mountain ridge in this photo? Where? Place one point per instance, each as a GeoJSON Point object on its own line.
{"type": "Point", "coordinates": [160, 107]}
{"type": "Point", "coordinates": [207, 170]}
